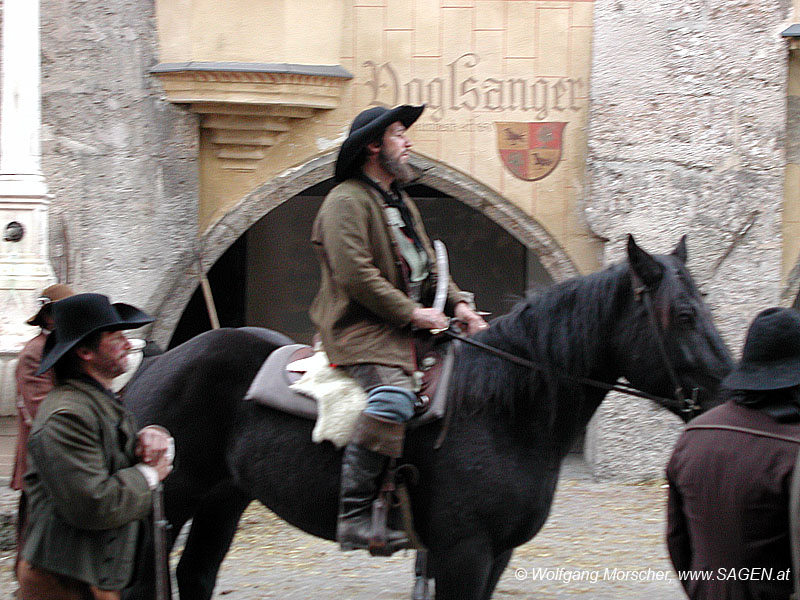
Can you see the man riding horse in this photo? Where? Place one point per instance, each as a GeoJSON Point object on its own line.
{"type": "Point", "coordinates": [377, 284]}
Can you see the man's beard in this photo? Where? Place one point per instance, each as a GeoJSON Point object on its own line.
{"type": "Point", "coordinates": [110, 367]}
{"type": "Point", "coordinates": [402, 172]}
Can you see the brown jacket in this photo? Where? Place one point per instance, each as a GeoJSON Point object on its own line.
{"type": "Point", "coordinates": [362, 311]}
{"type": "Point", "coordinates": [728, 511]}
{"type": "Point", "coordinates": [31, 390]}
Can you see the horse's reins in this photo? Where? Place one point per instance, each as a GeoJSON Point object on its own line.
{"type": "Point", "coordinates": [641, 293]}
{"type": "Point", "coordinates": [686, 404]}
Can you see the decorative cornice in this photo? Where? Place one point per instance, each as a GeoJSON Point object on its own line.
{"type": "Point", "coordinates": [249, 107]}
{"type": "Point", "coordinates": [246, 67]}
{"type": "Point", "coordinates": [792, 33]}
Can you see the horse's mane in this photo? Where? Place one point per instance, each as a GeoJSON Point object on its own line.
{"type": "Point", "coordinates": [561, 327]}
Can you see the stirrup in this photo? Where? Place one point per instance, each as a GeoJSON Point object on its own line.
{"type": "Point", "coordinates": [379, 542]}
{"type": "Point", "coordinates": [385, 547]}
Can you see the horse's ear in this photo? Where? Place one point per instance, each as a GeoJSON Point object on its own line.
{"type": "Point", "coordinates": [680, 249]}
{"type": "Point", "coordinates": [642, 264]}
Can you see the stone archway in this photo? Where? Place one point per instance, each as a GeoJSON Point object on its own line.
{"type": "Point", "coordinates": [180, 282]}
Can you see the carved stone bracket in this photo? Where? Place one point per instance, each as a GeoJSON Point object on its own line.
{"type": "Point", "coordinates": [247, 108]}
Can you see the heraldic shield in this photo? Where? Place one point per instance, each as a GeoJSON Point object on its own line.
{"type": "Point", "coordinates": [531, 151]}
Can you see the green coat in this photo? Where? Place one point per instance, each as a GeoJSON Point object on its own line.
{"type": "Point", "coordinates": [86, 498]}
{"type": "Point", "coordinates": [362, 311]}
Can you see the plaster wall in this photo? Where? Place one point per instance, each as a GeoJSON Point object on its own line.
{"type": "Point", "coordinates": [242, 31]}
{"type": "Point", "coordinates": [484, 68]}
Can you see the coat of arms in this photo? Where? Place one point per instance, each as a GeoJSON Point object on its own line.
{"type": "Point", "coordinates": [530, 150]}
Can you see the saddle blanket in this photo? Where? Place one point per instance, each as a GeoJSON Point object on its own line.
{"type": "Point", "coordinates": [301, 382]}
{"type": "Point", "coordinates": [339, 398]}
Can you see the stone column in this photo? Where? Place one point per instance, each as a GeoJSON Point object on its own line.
{"type": "Point", "coordinates": [24, 264]}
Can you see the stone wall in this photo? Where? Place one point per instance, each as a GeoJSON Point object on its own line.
{"type": "Point", "coordinates": [686, 135]}
{"type": "Point", "coordinates": [119, 160]}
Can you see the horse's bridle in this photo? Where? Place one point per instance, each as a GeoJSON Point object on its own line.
{"type": "Point", "coordinates": [686, 404]}
{"type": "Point", "coordinates": [642, 293]}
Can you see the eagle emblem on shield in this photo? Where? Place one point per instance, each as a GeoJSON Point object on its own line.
{"type": "Point", "coordinates": [531, 151]}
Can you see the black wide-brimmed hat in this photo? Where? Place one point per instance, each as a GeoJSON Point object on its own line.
{"type": "Point", "coordinates": [771, 354]}
{"type": "Point", "coordinates": [365, 127]}
{"type": "Point", "coordinates": [81, 315]}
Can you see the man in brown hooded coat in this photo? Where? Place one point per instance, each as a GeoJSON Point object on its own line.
{"type": "Point", "coordinates": [729, 476]}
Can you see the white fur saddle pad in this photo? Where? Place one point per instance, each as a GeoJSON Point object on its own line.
{"type": "Point", "coordinates": [327, 395]}
{"type": "Point", "coordinates": [339, 398]}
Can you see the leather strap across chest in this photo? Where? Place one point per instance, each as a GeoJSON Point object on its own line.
{"type": "Point", "coordinates": [748, 430]}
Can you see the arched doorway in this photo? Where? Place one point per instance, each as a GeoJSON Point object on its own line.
{"type": "Point", "coordinates": [269, 275]}
{"type": "Point", "coordinates": [177, 295]}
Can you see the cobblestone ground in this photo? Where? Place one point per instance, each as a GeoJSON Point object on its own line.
{"type": "Point", "coordinates": [601, 540]}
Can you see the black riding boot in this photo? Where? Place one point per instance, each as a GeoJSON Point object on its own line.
{"type": "Point", "coordinates": [365, 458]}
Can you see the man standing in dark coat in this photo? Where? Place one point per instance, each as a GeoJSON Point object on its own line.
{"type": "Point", "coordinates": [377, 284]}
{"type": "Point", "coordinates": [90, 472]}
{"type": "Point", "coordinates": [730, 474]}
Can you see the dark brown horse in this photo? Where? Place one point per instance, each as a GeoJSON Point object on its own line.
{"type": "Point", "coordinates": [489, 487]}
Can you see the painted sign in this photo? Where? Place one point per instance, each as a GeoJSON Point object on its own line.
{"type": "Point", "coordinates": [460, 88]}
{"type": "Point", "coordinates": [530, 151]}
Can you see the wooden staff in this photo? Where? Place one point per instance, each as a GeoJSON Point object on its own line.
{"type": "Point", "coordinates": [161, 546]}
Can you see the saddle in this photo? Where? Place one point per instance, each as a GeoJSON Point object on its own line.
{"type": "Point", "coordinates": [277, 384]}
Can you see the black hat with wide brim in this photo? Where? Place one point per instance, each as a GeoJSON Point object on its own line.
{"type": "Point", "coordinates": [771, 354]}
{"type": "Point", "coordinates": [368, 124]}
{"type": "Point", "coordinates": [81, 315]}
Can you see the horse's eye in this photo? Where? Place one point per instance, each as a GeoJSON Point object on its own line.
{"type": "Point", "coordinates": [685, 317]}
